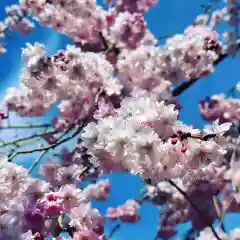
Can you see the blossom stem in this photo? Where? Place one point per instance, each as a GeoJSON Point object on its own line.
{"type": "Point", "coordinates": [142, 199]}
{"type": "Point", "coordinates": [194, 206]}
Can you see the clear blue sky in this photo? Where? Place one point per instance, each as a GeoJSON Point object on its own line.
{"type": "Point", "coordinates": [167, 18]}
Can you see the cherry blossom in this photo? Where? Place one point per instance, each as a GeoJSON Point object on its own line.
{"type": "Point", "coordinates": [116, 90]}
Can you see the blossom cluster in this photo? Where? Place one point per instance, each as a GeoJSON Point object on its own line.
{"type": "Point", "coordinates": [136, 6]}
{"type": "Point", "coordinates": [78, 78]}
{"type": "Point", "coordinates": [71, 76]}
{"type": "Point", "coordinates": [36, 209]}
{"type": "Point", "coordinates": [222, 107]}
{"type": "Point", "coordinates": [178, 210]}
{"type": "Point", "coordinates": [30, 208]}
{"type": "Point", "coordinates": [127, 30]}
{"type": "Point", "coordinates": [231, 17]}
{"type": "Point", "coordinates": [69, 17]}
{"type": "Point", "coordinates": [184, 56]}
{"type": "Point", "coordinates": [114, 85]}
{"type": "Point", "coordinates": [145, 138]}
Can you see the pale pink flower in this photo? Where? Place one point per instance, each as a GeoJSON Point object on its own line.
{"type": "Point", "coordinates": [69, 197]}
{"type": "Point", "coordinates": [49, 170]}
{"type": "Point", "coordinates": [99, 191]}
{"type": "Point", "coordinates": [87, 234]}
{"type": "Point", "coordinates": [127, 212]}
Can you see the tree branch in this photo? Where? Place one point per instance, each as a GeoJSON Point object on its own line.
{"type": "Point", "coordinates": [38, 159]}
{"type": "Point", "coordinates": [114, 229]}
{"type": "Point", "coordinates": [194, 206]}
{"type": "Point", "coordinates": [25, 126]}
{"type": "Point", "coordinates": [16, 142]}
{"type": "Point", "coordinates": [52, 146]}
{"type": "Point", "coordinates": [180, 89]}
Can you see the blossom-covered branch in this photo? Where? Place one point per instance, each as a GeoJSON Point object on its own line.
{"type": "Point", "coordinates": [113, 91]}
{"type": "Point", "coordinates": [180, 89]}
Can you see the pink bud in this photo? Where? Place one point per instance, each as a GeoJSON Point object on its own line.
{"type": "Point", "coordinates": [109, 19]}
{"type": "Point", "coordinates": [179, 131]}
{"type": "Point", "coordinates": [174, 140]}
{"type": "Point", "coordinates": [147, 123]}
{"type": "Point", "coordinates": [129, 218]}
{"type": "Point", "coordinates": [82, 36]}
{"type": "Point", "coordinates": [52, 197]}
{"type": "Point", "coordinates": [61, 53]}
{"type": "Point", "coordinates": [5, 115]}
{"type": "Point", "coordinates": [86, 100]}
{"type": "Point", "coordinates": [37, 236]}
{"type": "Point", "coordinates": [183, 149]}
{"type": "Point", "coordinates": [52, 208]}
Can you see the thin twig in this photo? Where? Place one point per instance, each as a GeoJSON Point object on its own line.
{"type": "Point", "coordinates": [234, 153]}
{"type": "Point", "coordinates": [38, 159]}
{"type": "Point", "coordinates": [113, 231]}
{"type": "Point", "coordinates": [220, 212]}
{"type": "Point", "coordinates": [25, 126]}
{"type": "Point", "coordinates": [16, 142]}
{"type": "Point", "coordinates": [164, 213]}
{"type": "Point", "coordinates": [8, 119]}
{"type": "Point", "coordinates": [52, 146]}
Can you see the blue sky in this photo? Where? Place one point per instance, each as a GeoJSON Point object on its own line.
{"type": "Point", "coordinates": [167, 18]}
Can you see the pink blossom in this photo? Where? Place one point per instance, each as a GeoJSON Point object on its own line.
{"type": "Point", "coordinates": [88, 234]}
{"type": "Point", "coordinates": [69, 197]}
{"type": "Point", "coordinates": [218, 106]}
{"type": "Point", "coordinates": [127, 212]}
{"type": "Point", "coordinates": [137, 6]}
{"type": "Point", "coordinates": [128, 30]}
{"type": "Point", "coordinates": [49, 170]}
{"type": "Point", "coordinates": [52, 208]}
{"type": "Point", "coordinates": [99, 191]}
{"type": "Point", "coordinates": [112, 213]}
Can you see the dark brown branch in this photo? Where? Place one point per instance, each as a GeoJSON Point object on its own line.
{"type": "Point", "coordinates": [180, 89]}
{"type": "Point", "coordinates": [194, 206]}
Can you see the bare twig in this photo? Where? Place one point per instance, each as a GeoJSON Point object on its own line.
{"type": "Point", "coordinates": [114, 230]}
{"type": "Point", "coordinates": [38, 159]}
{"type": "Point", "coordinates": [234, 154]}
{"type": "Point", "coordinates": [52, 146]}
{"type": "Point", "coordinates": [16, 142]}
{"type": "Point", "coordinates": [25, 126]}
{"type": "Point", "coordinates": [220, 212]}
